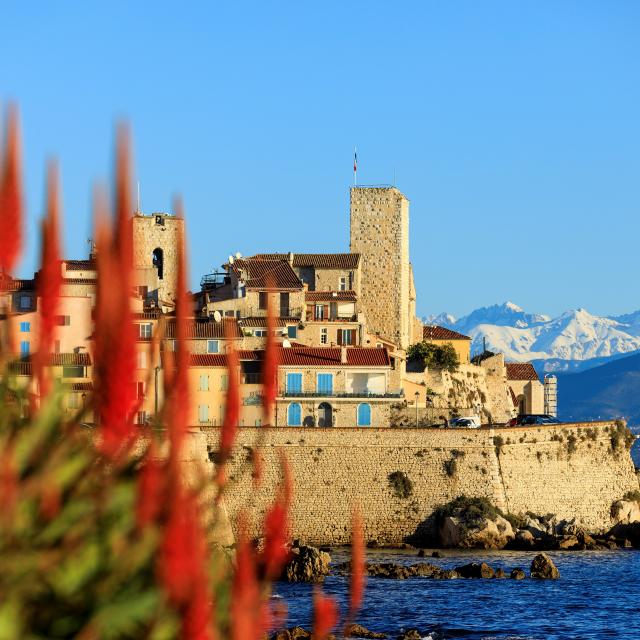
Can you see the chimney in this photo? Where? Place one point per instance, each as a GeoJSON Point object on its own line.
{"type": "Point", "coordinates": [343, 355]}
{"type": "Point", "coordinates": [290, 258]}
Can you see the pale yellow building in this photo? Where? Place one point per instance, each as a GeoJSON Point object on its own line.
{"type": "Point", "coordinates": [436, 335]}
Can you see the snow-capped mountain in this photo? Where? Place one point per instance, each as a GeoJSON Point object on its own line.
{"type": "Point", "coordinates": [575, 335]}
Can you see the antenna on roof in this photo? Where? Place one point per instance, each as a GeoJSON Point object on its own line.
{"type": "Point", "coordinates": [138, 200]}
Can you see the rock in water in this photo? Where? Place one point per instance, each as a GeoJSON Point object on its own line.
{"type": "Point", "coordinates": [475, 570]}
{"type": "Point", "coordinates": [295, 633]}
{"type": "Point", "coordinates": [307, 564]}
{"type": "Point", "coordinates": [518, 574]}
{"type": "Point", "coordinates": [358, 631]}
{"type": "Point", "coordinates": [483, 534]}
{"type": "Point", "coordinates": [410, 634]}
{"type": "Point", "coordinates": [542, 567]}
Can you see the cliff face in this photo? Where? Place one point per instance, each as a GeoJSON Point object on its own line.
{"type": "Point", "coordinates": [398, 476]}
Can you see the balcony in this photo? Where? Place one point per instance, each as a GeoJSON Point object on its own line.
{"type": "Point", "coordinates": [356, 394]}
{"type": "Point", "coordinates": [313, 317]}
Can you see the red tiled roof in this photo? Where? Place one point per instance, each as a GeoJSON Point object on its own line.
{"type": "Point", "coordinates": [317, 260]}
{"type": "Point", "coordinates": [435, 332]}
{"type": "Point", "coordinates": [81, 265]}
{"type": "Point", "coordinates": [205, 329]}
{"type": "Point", "coordinates": [521, 371]}
{"type": "Point", "coordinates": [266, 274]}
{"type": "Point", "coordinates": [330, 357]}
{"type": "Point", "coordinates": [75, 358]}
{"type": "Point", "coordinates": [93, 281]}
{"type": "Point", "coordinates": [7, 283]}
{"type": "Point", "coordinates": [262, 322]}
{"type": "Point", "coordinates": [216, 359]}
{"type": "Point", "coordinates": [321, 296]}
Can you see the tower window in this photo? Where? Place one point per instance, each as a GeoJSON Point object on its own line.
{"type": "Point", "coordinates": [158, 262]}
{"type": "Point", "coordinates": [160, 220]}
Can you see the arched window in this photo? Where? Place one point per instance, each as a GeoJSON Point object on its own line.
{"type": "Point", "coordinates": [364, 415]}
{"type": "Point", "coordinates": [294, 415]}
{"type": "Point", "coordinates": [158, 262]}
{"type": "Point", "coordinates": [325, 415]}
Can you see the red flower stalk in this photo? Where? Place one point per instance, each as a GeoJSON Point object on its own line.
{"type": "Point", "coordinates": [231, 408]}
{"type": "Point", "coordinates": [11, 195]}
{"type": "Point", "coordinates": [357, 565]}
{"type": "Point", "coordinates": [150, 494]}
{"type": "Point", "coordinates": [115, 339]}
{"type": "Point", "coordinates": [197, 619]}
{"type": "Point", "coordinates": [9, 481]}
{"type": "Point", "coordinates": [325, 614]}
{"type": "Point", "coordinates": [248, 613]}
{"type": "Point", "coordinates": [49, 278]}
{"type": "Point", "coordinates": [270, 366]}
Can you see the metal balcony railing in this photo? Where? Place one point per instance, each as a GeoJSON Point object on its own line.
{"type": "Point", "coordinates": [323, 394]}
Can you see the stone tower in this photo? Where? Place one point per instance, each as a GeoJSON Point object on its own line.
{"type": "Point", "coordinates": [156, 238]}
{"type": "Point", "coordinates": [380, 234]}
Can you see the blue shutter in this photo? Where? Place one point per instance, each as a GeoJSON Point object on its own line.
{"type": "Point", "coordinates": [325, 383]}
{"type": "Point", "coordinates": [294, 415]}
{"type": "Point", "coordinates": [24, 347]}
{"type": "Point", "coordinates": [294, 382]}
{"type": "Point", "coordinates": [364, 415]}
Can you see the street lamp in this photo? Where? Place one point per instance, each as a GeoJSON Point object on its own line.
{"type": "Point", "coordinates": [417, 395]}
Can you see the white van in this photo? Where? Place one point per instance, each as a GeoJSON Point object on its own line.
{"type": "Point", "coordinates": [465, 422]}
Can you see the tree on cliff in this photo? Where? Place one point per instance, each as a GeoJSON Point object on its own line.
{"type": "Point", "coordinates": [433, 356]}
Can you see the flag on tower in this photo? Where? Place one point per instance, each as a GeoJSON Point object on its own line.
{"type": "Point", "coordinates": [355, 161]}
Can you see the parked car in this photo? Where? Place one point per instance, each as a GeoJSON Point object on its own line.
{"type": "Point", "coordinates": [465, 422]}
{"type": "Point", "coordinates": [533, 418]}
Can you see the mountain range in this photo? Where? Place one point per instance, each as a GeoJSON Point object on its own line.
{"type": "Point", "coordinates": [596, 358]}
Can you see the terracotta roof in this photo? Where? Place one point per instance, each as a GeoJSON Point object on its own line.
{"type": "Point", "coordinates": [7, 283]}
{"type": "Point", "coordinates": [262, 322]}
{"type": "Point", "coordinates": [93, 281]}
{"type": "Point", "coordinates": [205, 329]}
{"type": "Point", "coordinates": [317, 260]}
{"type": "Point", "coordinates": [266, 274]}
{"type": "Point", "coordinates": [148, 315]}
{"type": "Point", "coordinates": [320, 296]}
{"type": "Point", "coordinates": [81, 265]}
{"type": "Point", "coordinates": [435, 332]}
{"type": "Point", "coordinates": [521, 371]}
{"type": "Point", "coordinates": [216, 359]}
{"type": "Point", "coordinates": [330, 357]}
{"type": "Point", "coordinates": [75, 358]}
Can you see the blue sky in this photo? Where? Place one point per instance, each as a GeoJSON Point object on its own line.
{"type": "Point", "coordinates": [513, 128]}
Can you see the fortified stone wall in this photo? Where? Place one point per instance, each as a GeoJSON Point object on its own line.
{"type": "Point", "coordinates": [570, 471]}
{"type": "Point", "coordinates": [380, 233]}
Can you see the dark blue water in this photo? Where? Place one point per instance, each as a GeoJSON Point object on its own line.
{"type": "Point", "coordinates": [597, 596]}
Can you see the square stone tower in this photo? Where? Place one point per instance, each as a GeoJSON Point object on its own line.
{"type": "Point", "coordinates": [156, 241]}
{"type": "Point", "coordinates": [380, 234]}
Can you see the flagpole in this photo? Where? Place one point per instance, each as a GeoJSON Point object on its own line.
{"type": "Point", "coordinates": [355, 167]}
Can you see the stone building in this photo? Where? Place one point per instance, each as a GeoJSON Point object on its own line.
{"type": "Point", "coordinates": [436, 335]}
{"type": "Point", "coordinates": [526, 389]}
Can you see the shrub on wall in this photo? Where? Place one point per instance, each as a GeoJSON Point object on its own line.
{"type": "Point", "coordinates": [433, 356]}
{"type": "Point", "coordinates": [400, 484]}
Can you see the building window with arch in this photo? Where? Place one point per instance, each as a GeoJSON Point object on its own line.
{"type": "Point", "coordinates": [325, 415]}
{"type": "Point", "coordinates": [364, 415]}
{"type": "Point", "coordinates": [294, 415]}
{"type": "Point", "coordinates": [158, 262]}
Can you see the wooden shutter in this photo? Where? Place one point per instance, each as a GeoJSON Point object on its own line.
{"type": "Point", "coordinates": [340, 337]}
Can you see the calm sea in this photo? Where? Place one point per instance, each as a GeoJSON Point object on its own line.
{"type": "Point", "coordinates": [597, 596]}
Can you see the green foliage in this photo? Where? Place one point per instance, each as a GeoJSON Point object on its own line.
{"type": "Point", "coordinates": [498, 443]}
{"type": "Point", "coordinates": [632, 496]}
{"type": "Point", "coordinates": [451, 465]}
{"type": "Point", "coordinates": [482, 356]}
{"type": "Point", "coordinates": [471, 510]}
{"type": "Point", "coordinates": [400, 484]}
{"type": "Point", "coordinates": [621, 436]}
{"type": "Point", "coordinates": [434, 356]}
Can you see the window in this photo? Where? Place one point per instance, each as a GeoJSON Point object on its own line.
{"type": "Point", "coordinates": [171, 345]}
{"type": "Point", "coordinates": [139, 390]}
{"type": "Point", "coordinates": [24, 347]}
{"type": "Point", "coordinates": [319, 312]}
{"type": "Point", "coordinates": [260, 333]}
{"type": "Point", "coordinates": [262, 300]}
{"type": "Point", "coordinates": [292, 331]}
{"type": "Point", "coordinates": [294, 383]}
{"type": "Point", "coordinates": [63, 321]}
{"type": "Point", "coordinates": [212, 346]}
{"type": "Point", "coordinates": [72, 371]}
{"type": "Point", "coordinates": [325, 383]}
{"type": "Point", "coordinates": [141, 417]}
{"type": "Point", "coordinates": [364, 415]}
{"type": "Point", "coordinates": [324, 336]}
{"type": "Point", "coordinates": [74, 401]}
{"type": "Point", "coordinates": [157, 259]}
{"type": "Point", "coordinates": [203, 413]}
{"type": "Point", "coordinates": [230, 314]}
{"type": "Point", "coordinates": [294, 415]}
{"type": "Point", "coordinates": [25, 327]}
{"type": "Point", "coordinates": [258, 422]}
{"type": "Point", "coordinates": [143, 291]}
{"type": "Point", "coordinates": [204, 383]}
{"type": "Point", "coordinates": [343, 283]}
{"type": "Point", "coordinates": [25, 302]}
{"type": "Point", "coordinates": [346, 336]}
{"type": "Point", "coordinates": [141, 360]}
{"type": "Point", "coordinates": [145, 330]}
{"type": "Point", "coordinates": [224, 382]}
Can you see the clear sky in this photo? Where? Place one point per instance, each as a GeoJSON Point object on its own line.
{"type": "Point", "coordinates": [513, 127]}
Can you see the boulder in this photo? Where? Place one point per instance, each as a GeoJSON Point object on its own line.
{"type": "Point", "coordinates": [358, 631]}
{"type": "Point", "coordinates": [524, 539]}
{"type": "Point", "coordinates": [483, 534]}
{"type": "Point", "coordinates": [475, 570]}
{"type": "Point", "coordinates": [500, 573]}
{"type": "Point", "coordinates": [625, 512]}
{"type": "Point", "coordinates": [307, 564]}
{"type": "Point", "coordinates": [542, 567]}
{"type": "Point", "coordinates": [410, 634]}
{"type": "Point", "coordinates": [569, 542]}
{"type": "Point", "coordinates": [294, 633]}
{"type": "Point", "coordinates": [518, 574]}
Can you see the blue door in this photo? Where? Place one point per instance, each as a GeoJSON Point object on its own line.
{"type": "Point", "coordinates": [364, 415]}
{"type": "Point", "coordinates": [294, 415]}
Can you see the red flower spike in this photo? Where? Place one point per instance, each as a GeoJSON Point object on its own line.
{"type": "Point", "coordinates": [325, 614]}
{"type": "Point", "coordinates": [357, 565]}
{"type": "Point", "coordinates": [270, 365]}
{"type": "Point", "coordinates": [231, 409]}
{"type": "Point", "coordinates": [8, 482]}
{"type": "Point", "coordinates": [11, 195]}
{"type": "Point", "coordinates": [49, 278]}
{"type": "Point", "coordinates": [150, 494]}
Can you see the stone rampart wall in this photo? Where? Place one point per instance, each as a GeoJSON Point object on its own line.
{"type": "Point", "coordinates": [570, 471]}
